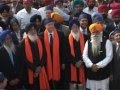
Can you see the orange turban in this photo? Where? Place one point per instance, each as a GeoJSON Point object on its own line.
{"type": "Point", "coordinates": [57, 17]}
{"type": "Point", "coordinates": [95, 27]}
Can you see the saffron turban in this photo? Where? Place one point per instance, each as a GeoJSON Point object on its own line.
{"type": "Point", "coordinates": [57, 17]}
{"type": "Point", "coordinates": [95, 27]}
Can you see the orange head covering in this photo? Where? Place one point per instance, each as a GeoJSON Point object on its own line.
{"type": "Point", "coordinates": [57, 17]}
{"type": "Point", "coordinates": [95, 27]}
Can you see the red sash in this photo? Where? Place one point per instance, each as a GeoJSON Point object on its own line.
{"type": "Point", "coordinates": [53, 66]}
{"type": "Point", "coordinates": [73, 68]}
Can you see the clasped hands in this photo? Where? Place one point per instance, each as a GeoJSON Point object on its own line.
{"type": "Point", "coordinates": [94, 68]}
{"type": "Point", "coordinates": [78, 64]}
{"type": "Point", "coordinates": [37, 71]}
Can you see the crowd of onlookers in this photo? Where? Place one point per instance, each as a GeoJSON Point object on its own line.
{"type": "Point", "coordinates": [60, 44]}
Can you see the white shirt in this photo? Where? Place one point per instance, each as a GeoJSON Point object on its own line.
{"type": "Point", "coordinates": [63, 14]}
{"type": "Point", "coordinates": [23, 16]}
{"type": "Point", "coordinates": [118, 25]}
{"type": "Point", "coordinates": [42, 12]}
{"type": "Point", "coordinates": [14, 8]}
{"type": "Point", "coordinates": [1, 29]}
{"type": "Point", "coordinates": [55, 9]}
{"type": "Point", "coordinates": [90, 12]}
{"type": "Point", "coordinates": [105, 61]}
{"type": "Point", "coordinates": [83, 31]}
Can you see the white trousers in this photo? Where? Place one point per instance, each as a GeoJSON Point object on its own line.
{"type": "Point", "coordinates": [98, 84]}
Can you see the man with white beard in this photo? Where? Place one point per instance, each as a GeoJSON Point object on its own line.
{"type": "Point", "coordinates": [97, 56]}
{"type": "Point", "coordinates": [10, 64]}
{"type": "Point", "coordinates": [76, 46]}
{"type": "Point", "coordinates": [33, 55]}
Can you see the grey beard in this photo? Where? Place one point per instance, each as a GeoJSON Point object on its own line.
{"type": "Point", "coordinates": [96, 44]}
{"type": "Point", "coordinates": [96, 48]}
{"type": "Point", "coordinates": [11, 47]}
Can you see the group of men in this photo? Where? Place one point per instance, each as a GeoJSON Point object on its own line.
{"type": "Point", "coordinates": [43, 53]}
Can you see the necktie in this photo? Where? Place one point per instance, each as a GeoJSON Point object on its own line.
{"type": "Point", "coordinates": [51, 46]}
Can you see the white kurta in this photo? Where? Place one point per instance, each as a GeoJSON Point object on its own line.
{"type": "Point", "coordinates": [98, 84]}
{"type": "Point", "coordinates": [90, 12]}
{"type": "Point", "coordinates": [24, 18]}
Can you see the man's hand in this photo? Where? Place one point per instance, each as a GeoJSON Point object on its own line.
{"type": "Point", "coordinates": [3, 84]}
{"type": "Point", "coordinates": [63, 66]}
{"type": "Point", "coordinates": [94, 68]}
{"type": "Point", "coordinates": [37, 71]}
{"type": "Point", "coordinates": [14, 82]}
{"type": "Point", "coordinates": [78, 64]}
{"type": "Point", "coordinates": [111, 77]}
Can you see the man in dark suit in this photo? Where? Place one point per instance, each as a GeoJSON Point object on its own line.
{"type": "Point", "coordinates": [83, 19]}
{"type": "Point", "coordinates": [116, 22]}
{"type": "Point", "coordinates": [54, 42]}
{"type": "Point", "coordinates": [115, 83]}
{"type": "Point", "coordinates": [10, 64]}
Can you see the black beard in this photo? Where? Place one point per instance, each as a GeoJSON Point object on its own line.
{"type": "Point", "coordinates": [91, 7]}
{"type": "Point", "coordinates": [117, 22]}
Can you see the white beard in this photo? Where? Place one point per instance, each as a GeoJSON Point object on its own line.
{"type": "Point", "coordinates": [96, 44]}
{"type": "Point", "coordinates": [10, 47]}
{"type": "Point", "coordinates": [76, 35]}
{"type": "Point", "coordinates": [33, 38]}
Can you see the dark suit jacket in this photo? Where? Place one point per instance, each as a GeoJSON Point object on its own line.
{"type": "Point", "coordinates": [7, 68]}
{"type": "Point", "coordinates": [63, 45]}
{"type": "Point", "coordinates": [36, 60]}
{"type": "Point", "coordinates": [115, 62]}
{"type": "Point", "coordinates": [108, 30]}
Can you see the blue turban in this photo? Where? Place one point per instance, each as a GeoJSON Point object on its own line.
{"type": "Point", "coordinates": [3, 35]}
{"type": "Point", "coordinates": [3, 7]}
{"type": "Point", "coordinates": [74, 21]}
{"type": "Point", "coordinates": [83, 16]}
{"type": "Point", "coordinates": [48, 20]}
{"type": "Point", "coordinates": [97, 17]}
